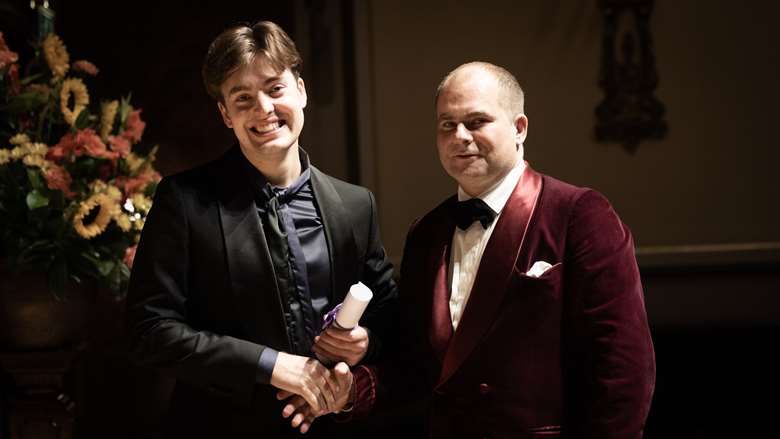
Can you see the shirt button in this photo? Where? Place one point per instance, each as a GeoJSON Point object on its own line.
{"type": "Point", "coordinates": [484, 389]}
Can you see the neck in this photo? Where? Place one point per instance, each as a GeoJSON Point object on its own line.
{"type": "Point", "coordinates": [280, 170]}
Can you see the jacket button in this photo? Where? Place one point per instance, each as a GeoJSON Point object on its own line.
{"type": "Point", "coordinates": [484, 389]}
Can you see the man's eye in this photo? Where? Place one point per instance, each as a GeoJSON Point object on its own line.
{"type": "Point", "coordinates": [447, 126]}
{"type": "Point", "coordinates": [243, 98]}
{"type": "Point", "coordinates": [277, 89]}
{"type": "Point", "coordinates": [476, 123]}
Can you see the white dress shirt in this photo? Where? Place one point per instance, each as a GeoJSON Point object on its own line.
{"type": "Point", "coordinates": [468, 245]}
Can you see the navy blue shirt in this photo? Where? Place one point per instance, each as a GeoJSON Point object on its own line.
{"type": "Point", "coordinates": [309, 258]}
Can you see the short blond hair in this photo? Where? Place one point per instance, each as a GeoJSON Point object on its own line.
{"type": "Point", "coordinates": [512, 96]}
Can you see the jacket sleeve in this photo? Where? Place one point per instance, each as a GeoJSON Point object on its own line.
{"type": "Point", "coordinates": [609, 362]}
{"type": "Point", "coordinates": [159, 292]}
{"type": "Point", "coordinates": [381, 316]}
{"type": "Point", "coordinates": [397, 384]}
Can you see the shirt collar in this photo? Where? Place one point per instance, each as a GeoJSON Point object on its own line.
{"type": "Point", "coordinates": [263, 188]}
{"type": "Point", "coordinates": [497, 196]}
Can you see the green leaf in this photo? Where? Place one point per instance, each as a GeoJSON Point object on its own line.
{"type": "Point", "coordinates": [83, 120]}
{"type": "Point", "coordinates": [105, 267]}
{"type": "Point", "coordinates": [124, 111]}
{"type": "Point", "coordinates": [24, 102]}
{"type": "Point", "coordinates": [34, 176]}
{"type": "Point", "coordinates": [114, 279]}
{"type": "Point", "coordinates": [36, 200]}
{"type": "Point", "coordinates": [31, 78]}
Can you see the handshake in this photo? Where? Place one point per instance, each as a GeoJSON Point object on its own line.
{"type": "Point", "coordinates": [312, 389]}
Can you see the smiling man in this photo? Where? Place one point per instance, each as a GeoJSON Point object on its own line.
{"type": "Point", "coordinates": [523, 308]}
{"type": "Point", "coordinates": [241, 257]}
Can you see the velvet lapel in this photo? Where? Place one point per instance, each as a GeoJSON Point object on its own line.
{"type": "Point", "coordinates": [437, 266]}
{"type": "Point", "coordinates": [338, 233]}
{"type": "Point", "coordinates": [248, 260]}
{"type": "Point", "coordinates": [494, 273]}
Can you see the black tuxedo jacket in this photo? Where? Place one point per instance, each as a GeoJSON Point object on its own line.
{"type": "Point", "coordinates": [203, 302]}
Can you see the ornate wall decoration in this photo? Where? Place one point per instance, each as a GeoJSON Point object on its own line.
{"type": "Point", "coordinates": [629, 112]}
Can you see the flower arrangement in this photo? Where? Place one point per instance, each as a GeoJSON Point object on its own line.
{"type": "Point", "coordinates": [73, 192]}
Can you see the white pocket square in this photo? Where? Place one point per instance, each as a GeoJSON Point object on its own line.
{"type": "Point", "coordinates": [538, 269]}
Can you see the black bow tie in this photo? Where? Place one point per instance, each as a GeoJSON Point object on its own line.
{"type": "Point", "coordinates": [473, 209]}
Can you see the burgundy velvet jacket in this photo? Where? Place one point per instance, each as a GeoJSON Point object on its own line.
{"type": "Point", "coordinates": [567, 354]}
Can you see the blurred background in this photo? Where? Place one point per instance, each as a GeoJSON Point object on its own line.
{"type": "Point", "coordinates": [702, 201]}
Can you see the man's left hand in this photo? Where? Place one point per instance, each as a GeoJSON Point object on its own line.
{"type": "Point", "coordinates": [302, 413]}
{"type": "Point", "coordinates": [335, 344]}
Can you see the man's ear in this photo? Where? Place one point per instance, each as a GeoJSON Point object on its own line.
{"type": "Point", "coordinates": [521, 124]}
{"type": "Point", "coordinates": [225, 117]}
{"type": "Point", "coordinates": [302, 90]}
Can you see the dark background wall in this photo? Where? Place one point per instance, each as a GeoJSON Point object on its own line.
{"type": "Point", "coordinates": [702, 202]}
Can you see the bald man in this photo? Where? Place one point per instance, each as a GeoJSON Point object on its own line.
{"type": "Point", "coordinates": [523, 312]}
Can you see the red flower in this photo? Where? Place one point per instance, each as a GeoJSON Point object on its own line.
{"type": "Point", "coordinates": [14, 86]}
{"type": "Point", "coordinates": [6, 55]}
{"type": "Point", "coordinates": [138, 183]}
{"type": "Point", "coordinates": [85, 141]}
{"type": "Point", "coordinates": [134, 127]}
{"type": "Point", "coordinates": [120, 145]}
{"type": "Point", "coordinates": [86, 67]}
{"type": "Point", "coordinates": [130, 256]}
{"type": "Point", "coordinates": [59, 178]}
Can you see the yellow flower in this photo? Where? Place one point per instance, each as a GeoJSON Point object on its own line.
{"type": "Point", "coordinates": [107, 118]}
{"type": "Point", "coordinates": [56, 55]}
{"type": "Point", "coordinates": [19, 152]}
{"type": "Point", "coordinates": [39, 149]}
{"type": "Point", "coordinates": [141, 202]}
{"type": "Point", "coordinates": [139, 224]}
{"type": "Point", "coordinates": [114, 193]}
{"type": "Point", "coordinates": [19, 139]}
{"type": "Point", "coordinates": [5, 156]}
{"type": "Point", "coordinates": [34, 160]}
{"type": "Point", "coordinates": [134, 162]}
{"type": "Point", "coordinates": [123, 221]}
{"type": "Point", "coordinates": [98, 186]}
{"type": "Point", "coordinates": [89, 223]}
{"type": "Point", "coordinates": [77, 88]}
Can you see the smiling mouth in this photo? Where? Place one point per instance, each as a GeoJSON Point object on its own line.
{"type": "Point", "coordinates": [267, 128]}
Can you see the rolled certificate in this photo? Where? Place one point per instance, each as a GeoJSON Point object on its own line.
{"type": "Point", "coordinates": [353, 306]}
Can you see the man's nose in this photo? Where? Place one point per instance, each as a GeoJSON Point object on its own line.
{"type": "Point", "coordinates": [265, 103]}
{"type": "Point", "coordinates": [462, 134]}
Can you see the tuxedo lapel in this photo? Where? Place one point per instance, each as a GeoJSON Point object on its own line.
{"type": "Point", "coordinates": [495, 270]}
{"type": "Point", "coordinates": [249, 261]}
{"type": "Point", "coordinates": [338, 234]}
{"type": "Point", "coordinates": [437, 266]}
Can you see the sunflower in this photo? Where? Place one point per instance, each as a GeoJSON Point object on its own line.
{"type": "Point", "coordinates": [56, 55]}
{"type": "Point", "coordinates": [107, 118]}
{"type": "Point", "coordinates": [93, 216]}
{"type": "Point", "coordinates": [80, 99]}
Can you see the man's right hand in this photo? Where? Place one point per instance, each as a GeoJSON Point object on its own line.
{"type": "Point", "coordinates": [303, 414]}
{"type": "Point", "coordinates": [306, 377]}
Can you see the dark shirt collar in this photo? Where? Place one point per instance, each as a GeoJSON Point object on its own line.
{"type": "Point", "coordinates": [265, 190]}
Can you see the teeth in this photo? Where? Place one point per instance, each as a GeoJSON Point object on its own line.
{"type": "Point", "coordinates": [262, 129]}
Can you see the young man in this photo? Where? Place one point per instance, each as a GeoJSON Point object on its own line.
{"type": "Point", "coordinates": [240, 258]}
